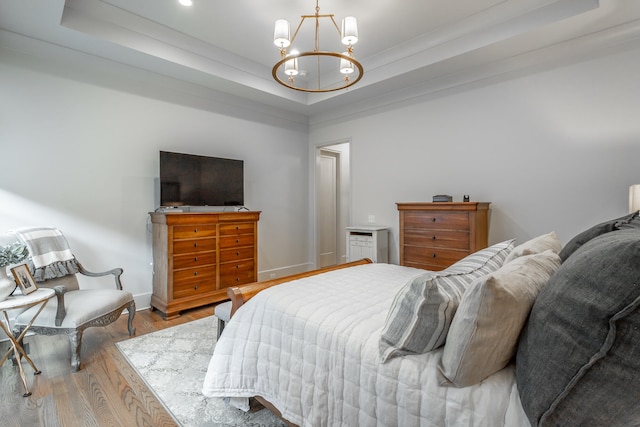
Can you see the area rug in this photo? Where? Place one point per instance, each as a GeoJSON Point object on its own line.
{"type": "Point", "coordinates": [173, 363]}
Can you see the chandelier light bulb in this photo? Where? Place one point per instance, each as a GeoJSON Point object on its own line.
{"type": "Point", "coordinates": [291, 67]}
{"type": "Point", "coordinates": [281, 34]}
{"type": "Point", "coordinates": [186, 2]}
{"type": "Point", "coordinates": [349, 31]}
{"type": "Point", "coordinates": [346, 67]}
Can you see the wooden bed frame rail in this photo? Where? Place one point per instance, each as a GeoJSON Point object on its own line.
{"type": "Point", "coordinates": [241, 294]}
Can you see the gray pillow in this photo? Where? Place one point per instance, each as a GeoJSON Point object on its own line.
{"type": "Point", "coordinates": [595, 231]}
{"type": "Point", "coordinates": [578, 360]}
{"type": "Point", "coordinates": [421, 312]}
{"type": "Point", "coordinates": [634, 222]}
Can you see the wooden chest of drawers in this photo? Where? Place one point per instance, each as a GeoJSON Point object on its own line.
{"type": "Point", "coordinates": [435, 235]}
{"type": "Point", "coordinates": [196, 256]}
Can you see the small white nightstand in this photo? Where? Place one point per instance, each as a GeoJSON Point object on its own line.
{"type": "Point", "coordinates": [368, 242]}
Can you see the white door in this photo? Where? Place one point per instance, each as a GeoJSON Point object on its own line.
{"type": "Point", "coordinates": [333, 202]}
{"type": "Point", "coordinates": [328, 170]}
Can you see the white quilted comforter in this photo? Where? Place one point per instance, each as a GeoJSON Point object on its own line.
{"type": "Point", "coordinates": [310, 347]}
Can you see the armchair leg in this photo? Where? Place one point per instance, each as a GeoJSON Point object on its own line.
{"type": "Point", "coordinates": [75, 339]}
{"type": "Point", "coordinates": [131, 308]}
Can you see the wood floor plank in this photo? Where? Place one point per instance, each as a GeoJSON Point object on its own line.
{"type": "Point", "coordinates": [106, 391]}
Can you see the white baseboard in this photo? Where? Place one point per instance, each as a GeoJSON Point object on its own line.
{"type": "Point", "coordinates": [284, 271]}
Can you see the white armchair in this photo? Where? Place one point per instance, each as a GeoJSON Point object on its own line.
{"type": "Point", "coordinates": [75, 309]}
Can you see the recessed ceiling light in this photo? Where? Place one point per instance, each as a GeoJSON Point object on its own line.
{"type": "Point", "coordinates": [186, 2]}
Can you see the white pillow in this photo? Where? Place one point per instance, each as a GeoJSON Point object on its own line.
{"type": "Point", "coordinates": [484, 333]}
{"type": "Point", "coordinates": [536, 245]}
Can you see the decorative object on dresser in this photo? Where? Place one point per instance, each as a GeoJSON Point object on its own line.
{"type": "Point", "coordinates": [433, 236]}
{"type": "Point", "coordinates": [368, 242]}
{"type": "Point", "coordinates": [197, 255]}
{"type": "Point", "coordinates": [439, 198]}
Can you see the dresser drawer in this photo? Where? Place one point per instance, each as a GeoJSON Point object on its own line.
{"type": "Point", "coordinates": [235, 229]}
{"type": "Point", "coordinates": [207, 272]}
{"type": "Point", "coordinates": [230, 255]}
{"type": "Point", "coordinates": [437, 238]}
{"type": "Point", "coordinates": [436, 220]}
{"type": "Point", "coordinates": [193, 231]}
{"type": "Point", "coordinates": [233, 268]}
{"type": "Point", "coordinates": [194, 245]}
{"type": "Point", "coordinates": [432, 256]}
{"type": "Point", "coordinates": [436, 265]}
{"type": "Point", "coordinates": [239, 277]}
{"type": "Point", "coordinates": [194, 260]}
{"type": "Point", "coordinates": [196, 287]}
{"type": "Point", "coordinates": [236, 241]}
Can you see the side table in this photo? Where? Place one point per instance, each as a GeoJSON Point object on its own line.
{"type": "Point", "coordinates": [368, 241]}
{"type": "Point", "coordinates": [40, 296]}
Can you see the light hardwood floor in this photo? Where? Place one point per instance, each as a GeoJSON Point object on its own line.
{"type": "Point", "coordinates": [106, 391]}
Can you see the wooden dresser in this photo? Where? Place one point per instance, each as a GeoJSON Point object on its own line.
{"type": "Point", "coordinates": [198, 255]}
{"type": "Point", "coordinates": [435, 235]}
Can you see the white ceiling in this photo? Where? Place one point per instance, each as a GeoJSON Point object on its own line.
{"type": "Point", "coordinates": [407, 47]}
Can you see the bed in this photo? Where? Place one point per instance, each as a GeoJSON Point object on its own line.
{"type": "Point", "coordinates": [338, 347]}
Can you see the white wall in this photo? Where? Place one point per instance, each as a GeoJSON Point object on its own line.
{"type": "Point", "coordinates": [555, 150]}
{"type": "Point", "coordinates": [84, 157]}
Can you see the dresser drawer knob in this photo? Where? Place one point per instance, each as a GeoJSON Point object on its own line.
{"type": "Point", "coordinates": [237, 279]}
{"type": "Point", "coordinates": [433, 219]}
{"type": "Point", "coordinates": [237, 253]}
{"type": "Point", "coordinates": [237, 240]}
{"type": "Point", "coordinates": [195, 230]}
{"type": "Point", "coordinates": [195, 288]}
{"type": "Point", "coordinates": [237, 228]}
{"type": "Point", "coordinates": [433, 255]}
{"type": "Point", "coordinates": [195, 273]}
{"type": "Point", "coordinates": [237, 267]}
{"type": "Point", "coordinates": [195, 259]}
{"type": "Point", "coordinates": [433, 238]}
{"type": "Point", "coordinates": [195, 245]}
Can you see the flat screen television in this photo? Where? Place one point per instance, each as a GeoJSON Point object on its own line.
{"type": "Point", "coordinates": [192, 180]}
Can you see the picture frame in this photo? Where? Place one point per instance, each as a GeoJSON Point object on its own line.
{"type": "Point", "coordinates": [24, 279]}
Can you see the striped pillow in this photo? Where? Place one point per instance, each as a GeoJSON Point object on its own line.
{"type": "Point", "coordinates": [421, 312]}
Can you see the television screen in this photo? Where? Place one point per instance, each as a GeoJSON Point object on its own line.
{"type": "Point", "coordinates": [192, 180]}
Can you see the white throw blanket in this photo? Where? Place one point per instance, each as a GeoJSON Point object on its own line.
{"type": "Point", "coordinates": [50, 254]}
{"type": "Point", "coordinates": [310, 347]}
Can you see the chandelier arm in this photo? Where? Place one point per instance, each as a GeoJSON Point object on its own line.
{"type": "Point", "coordinates": [336, 25]}
{"type": "Point", "coordinates": [317, 41]}
{"type": "Point", "coordinates": [298, 29]}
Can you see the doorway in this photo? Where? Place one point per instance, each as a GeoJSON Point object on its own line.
{"type": "Point", "coordinates": [332, 203]}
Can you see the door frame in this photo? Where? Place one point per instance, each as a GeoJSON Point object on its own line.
{"type": "Point", "coordinates": [344, 196]}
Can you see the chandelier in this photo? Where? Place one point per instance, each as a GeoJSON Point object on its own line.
{"type": "Point", "coordinates": [339, 70]}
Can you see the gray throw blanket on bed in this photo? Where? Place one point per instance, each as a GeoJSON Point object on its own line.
{"type": "Point", "coordinates": [50, 255]}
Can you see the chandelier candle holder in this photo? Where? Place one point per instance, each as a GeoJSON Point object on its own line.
{"type": "Point", "coordinates": [324, 63]}
{"type": "Point", "coordinates": [634, 198]}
